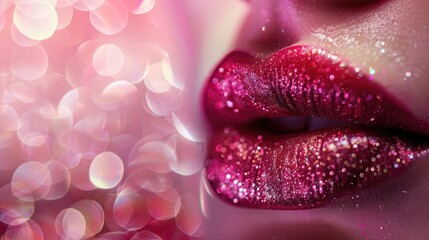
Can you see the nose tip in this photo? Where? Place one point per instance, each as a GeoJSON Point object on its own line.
{"type": "Point", "coordinates": [269, 27]}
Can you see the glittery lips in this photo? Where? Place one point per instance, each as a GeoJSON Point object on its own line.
{"type": "Point", "coordinates": [254, 167]}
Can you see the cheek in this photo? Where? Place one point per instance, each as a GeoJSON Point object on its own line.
{"type": "Point", "coordinates": [393, 47]}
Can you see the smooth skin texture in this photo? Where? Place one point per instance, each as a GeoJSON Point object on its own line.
{"type": "Point", "coordinates": [387, 38]}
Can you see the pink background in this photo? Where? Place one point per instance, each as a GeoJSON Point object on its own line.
{"type": "Point", "coordinates": [100, 123]}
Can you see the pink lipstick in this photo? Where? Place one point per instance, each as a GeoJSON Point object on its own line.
{"type": "Point", "coordinates": [251, 165]}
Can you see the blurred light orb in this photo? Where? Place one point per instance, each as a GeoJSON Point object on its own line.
{"type": "Point", "coordinates": [86, 5]}
{"type": "Point", "coordinates": [28, 230]}
{"type": "Point", "coordinates": [14, 210]}
{"type": "Point", "coordinates": [108, 60]}
{"type": "Point", "coordinates": [106, 170]}
{"type": "Point", "coordinates": [66, 3]}
{"type": "Point", "coordinates": [156, 81]}
{"type": "Point", "coordinates": [93, 214]}
{"type": "Point", "coordinates": [65, 16]}
{"type": "Point", "coordinates": [31, 180]}
{"type": "Point", "coordinates": [21, 39]}
{"type": "Point", "coordinates": [110, 17]}
{"type": "Point", "coordinates": [36, 19]}
{"type": "Point", "coordinates": [29, 63]}
{"type": "Point", "coordinates": [144, 6]}
{"type": "Point", "coordinates": [70, 224]}
{"type": "Point", "coordinates": [146, 235]}
{"type": "Point", "coordinates": [130, 210]}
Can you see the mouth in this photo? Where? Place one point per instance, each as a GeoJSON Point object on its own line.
{"type": "Point", "coordinates": [302, 127]}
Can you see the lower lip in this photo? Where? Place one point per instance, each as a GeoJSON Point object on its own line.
{"type": "Point", "coordinates": [305, 170]}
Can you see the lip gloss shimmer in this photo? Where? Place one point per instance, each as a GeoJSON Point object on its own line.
{"type": "Point", "coordinates": [300, 80]}
{"type": "Point", "coordinates": [254, 168]}
{"type": "Point", "coordinates": [303, 171]}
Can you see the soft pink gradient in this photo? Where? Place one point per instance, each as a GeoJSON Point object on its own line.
{"type": "Point", "coordinates": [95, 138]}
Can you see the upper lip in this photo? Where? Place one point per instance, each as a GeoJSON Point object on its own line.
{"type": "Point", "coordinates": [302, 80]}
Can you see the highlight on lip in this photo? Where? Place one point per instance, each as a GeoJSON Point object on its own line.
{"type": "Point", "coordinates": [252, 166]}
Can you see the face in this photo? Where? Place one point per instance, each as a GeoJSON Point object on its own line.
{"type": "Point", "coordinates": [103, 133]}
{"type": "Point", "coordinates": [384, 45]}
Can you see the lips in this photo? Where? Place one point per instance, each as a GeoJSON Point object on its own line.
{"type": "Point", "coordinates": [254, 162]}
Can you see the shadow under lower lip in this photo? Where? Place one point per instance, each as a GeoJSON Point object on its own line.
{"type": "Point", "coordinates": [319, 231]}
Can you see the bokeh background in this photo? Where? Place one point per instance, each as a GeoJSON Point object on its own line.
{"type": "Point", "coordinates": [101, 131]}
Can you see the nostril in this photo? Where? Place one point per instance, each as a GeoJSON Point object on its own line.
{"type": "Point", "coordinates": [272, 38]}
{"type": "Point", "coordinates": [270, 26]}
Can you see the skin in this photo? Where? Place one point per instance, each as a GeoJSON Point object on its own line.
{"type": "Point", "coordinates": [357, 31]}
{"type": "Point", "coordinates": [389, 38]}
